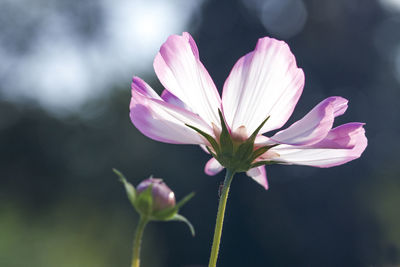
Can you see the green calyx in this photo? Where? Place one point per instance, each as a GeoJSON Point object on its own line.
{"type": "Point", "coordinates": [143, 203]}
{"type": "Point", "coordinates": [235, 155]}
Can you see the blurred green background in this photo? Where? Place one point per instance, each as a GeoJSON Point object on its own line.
{"type": "Point", "coordinates": [65, 70]}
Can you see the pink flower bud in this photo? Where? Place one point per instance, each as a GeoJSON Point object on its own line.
{"type": "Point", "coordinates": [163, 197]}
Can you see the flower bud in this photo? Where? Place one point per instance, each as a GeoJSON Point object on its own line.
{"type": "Point", "coordinates": [155, 201]}
{"type": "Point", "coordinates": [162, 195]}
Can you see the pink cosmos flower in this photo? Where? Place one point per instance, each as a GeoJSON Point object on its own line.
{"type": "Point", "coordinates": [258, 96]}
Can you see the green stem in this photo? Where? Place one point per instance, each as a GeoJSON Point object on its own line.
{"type": "Point", "coordinates": [138, 241]}
{"type": "Point", "coordinates": [220, 218]}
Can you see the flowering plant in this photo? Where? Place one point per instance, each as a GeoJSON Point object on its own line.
{"type": "Point", "coordinates": [258, 96]}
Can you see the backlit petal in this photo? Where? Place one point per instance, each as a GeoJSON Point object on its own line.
{"type": "Point", "coordinates": [168, 97]}
{"type": "Point", "coordinates": [314, 126]}
{"type": "Point", "coordinates": [343, 144]}
{"type": "Point", "coordinates": [179, 69]}
{"type": "Point", "coordinates": [213, 167]}
{"type": "Point", "coordinates": [259, 175]}
{"type": "Point", "coordinates": [343, 136]}
{"type": "Point", "coordinates": [163, 121]}
{"type": "Point", "coordinates": [265, 82]}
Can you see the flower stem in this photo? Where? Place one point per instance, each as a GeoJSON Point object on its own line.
{"type": "Point", "coordinates": [138, 241]}
{"type": "Point", "coordinates": [220, 218]}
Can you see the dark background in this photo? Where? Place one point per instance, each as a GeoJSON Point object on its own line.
{"type": "Point", "coordinates": [61, 205]}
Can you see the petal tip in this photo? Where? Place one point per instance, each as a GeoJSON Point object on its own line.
{"type": "Point", "coordinates": [213, 167]}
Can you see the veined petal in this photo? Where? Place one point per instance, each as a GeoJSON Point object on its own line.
{"type": "Point", "coordinates": [180, 70]}
{"type": "Point", "coordinates": [259, 175]}
{"type": "Point", "coordinates": [314, 126]}
{"type": "Point", "coordinates": [343, 144]}
{"type": "Point", "coordinates": [162, 121]}
{"type": "Point", "coordinates": [213, 167]}
{"type": "Point", "coordinates": [265, 82]}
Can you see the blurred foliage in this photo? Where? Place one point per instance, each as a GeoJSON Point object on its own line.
{"type": "Point", "coordinates": [73, 233]}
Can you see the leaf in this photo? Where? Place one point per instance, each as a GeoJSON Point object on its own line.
{"type": "Point", "coordinates": [208, 137]}
{"type": "Point", "coordinates": [129, 188]}
{"type": "Point", "coordinates": [180, 218]}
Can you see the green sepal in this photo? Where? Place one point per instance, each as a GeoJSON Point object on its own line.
{"type": "Point", "coordinates": [180, 218]}
{"type": "Point", "coordinates": [212, 153]}
{"type": "Point", "coordinates": [235, 154]}
{"type": "Point", "coordinates": [184, 200]}
{"type": "Point", "coordinates": [225, 138]}
{"type": "Point", "coordinates": [168, 214]}
{"type": "Point", "coordinates": [129, 188]}
{"type": "Point", "coordinates": [208, 137]}
{"type": "Point", "coordinates": [144, 202]}
{"type": "Point", "coordinates": [261, 163]}
{"type": "Point", "coordinates": [244, 151]}
{"type": "Point", "coordinates": [259, 151]}
{"type": "Point", "coordinates": [252, 138]}
{"type": "Point", "coordinates": [165, 214]}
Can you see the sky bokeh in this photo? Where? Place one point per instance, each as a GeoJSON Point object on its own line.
{"type": "Point", "coordinates": [65, 71]}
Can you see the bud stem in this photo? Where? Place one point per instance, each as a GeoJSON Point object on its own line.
{"type": "Point", "coordinates": [220, 218]}
{"type": "Point", "coordinates": [138, 241]}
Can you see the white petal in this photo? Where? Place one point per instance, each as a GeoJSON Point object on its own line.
{"type": "Point", "coordinates": [265, 82]}
{"type": "Point", "coordinates": [213, 167]}
{"type": "Point", "coordinates": [179, 69]}
{"type": "Point", "coordinates": [259, 175]}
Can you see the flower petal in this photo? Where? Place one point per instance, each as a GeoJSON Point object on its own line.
{"type": "Point", "coordinates": [314, 126]}
{"type": "Point", "coordinates": [342, 144]}
{"type": "Point", "coordinates": [163, 121]}
{"type": "Point", "coordinates": [179, 69]}
{"type": "Point", "coordinates": [143, 88]}
{"type": "Point", "coordinates": [265, 82]}
{"type": "Point", "coordinates": [213, 167]}
{"type": "Point", "coordinates": [259, 175]}
{"type": "Point", "coordinates": [343, 136]}
{"type": "Point", "coordinates": [169, 97]}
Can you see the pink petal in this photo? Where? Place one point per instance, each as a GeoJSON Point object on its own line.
{"type": "Point", "coordinates": [213, 167]}
{"type": "Point", "coordinates": [259, 175]}
{"type": "Point", "coordinates": [143, 88]}
{"type": "Point", "coordinates": [169, 97]}
{"type": "Point", "coordinates": [162, 121]}
{"type": "Point", "coordinates": [265, 82]}
{"type": "Point", "coordinates": [179, 69]}
{"type": "Point", "coordinates": [314, 126]}
{"type": "Point", "coordinates": [343, 144]}
{"type": "Point", "coordinates": [343, 136]}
